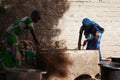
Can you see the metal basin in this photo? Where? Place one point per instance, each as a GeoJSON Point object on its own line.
{"type": "Point", "coordinates": [110, 71]}
{"type": "Point", "coordinates": [115, 59]}
{"type": "Point", "coordinates": [24, 74]}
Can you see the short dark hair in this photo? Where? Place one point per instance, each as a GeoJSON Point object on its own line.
{"type": "Point", "coordinates": [36, 13]}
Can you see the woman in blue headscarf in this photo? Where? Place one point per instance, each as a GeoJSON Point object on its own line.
{"type": "Point", "coordinates": [93, 33]}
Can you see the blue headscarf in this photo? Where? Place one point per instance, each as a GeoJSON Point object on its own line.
{"type": "Point", "coordinates": [87, 22]}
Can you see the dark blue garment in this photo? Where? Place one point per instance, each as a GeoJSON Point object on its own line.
{"type": "Point", "coordinates": [94, 44]}
{"type": "Point", "coordinates": [90, 28]}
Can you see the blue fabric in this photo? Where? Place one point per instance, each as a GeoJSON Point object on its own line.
{"type": "Point", "coordinates": [100, 56]}
{"type": "Point", "coordinates": [86, 22]}
{"type": "Point", "coordinates": [98, 28]}
{"type": "Point", "coordinates": [90, 28]}
{"type": "Point", "coordinates": [90, 25]}
{"type": "Point", "coordinates": [94, 44]}
{"type": "Point", "coordinates": [90, 36]}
